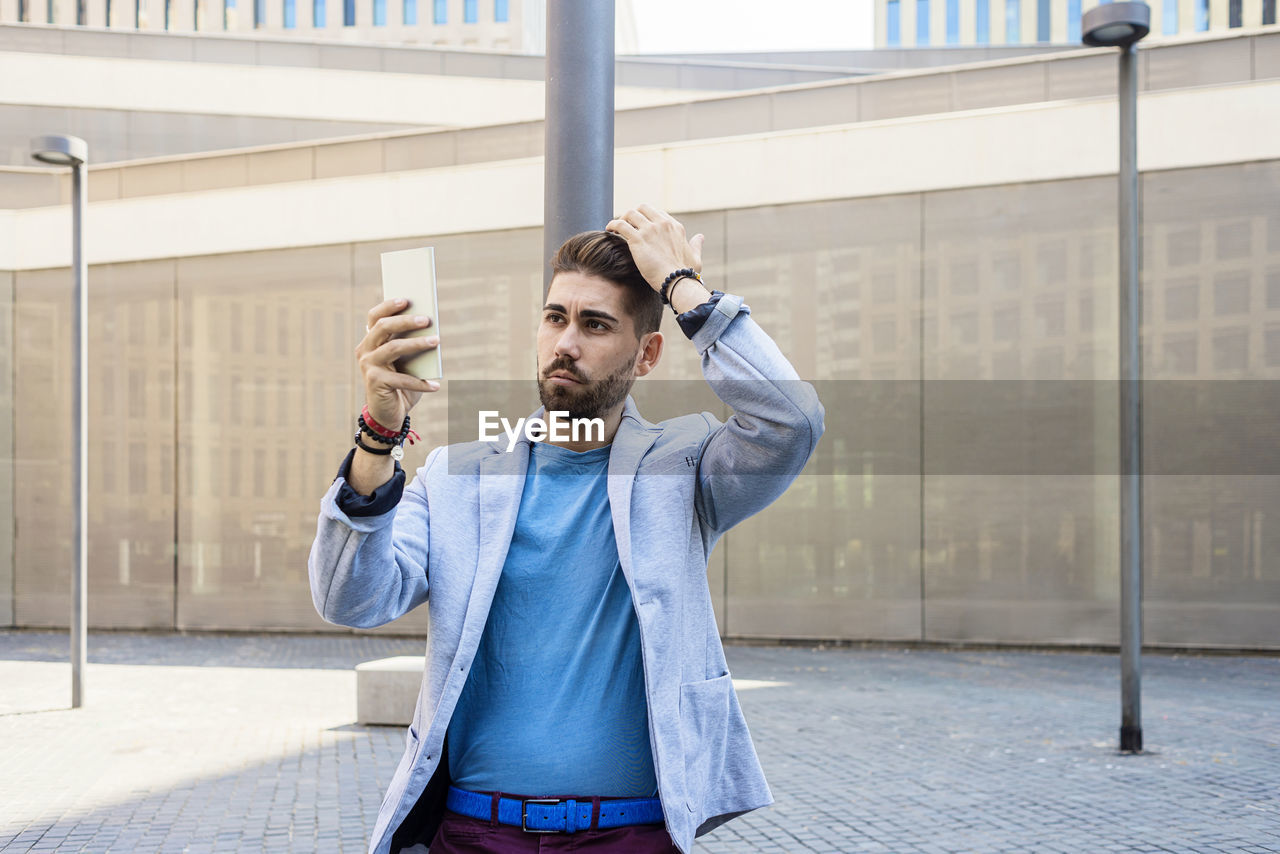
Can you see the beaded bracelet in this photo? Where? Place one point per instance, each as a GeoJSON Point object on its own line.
{"type": "Point", "coordinates": [368, 424]}
{"type": "Point", "coordinates": [683, 272]}
{"type": "Point", "coordinates": [373, 434]}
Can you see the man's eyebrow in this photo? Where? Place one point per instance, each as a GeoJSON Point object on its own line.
{"type": "Point", "coordinates": [594, 313]}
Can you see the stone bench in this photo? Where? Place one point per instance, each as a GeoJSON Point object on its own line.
{"type": "Point", "coordinates": [387, 689]}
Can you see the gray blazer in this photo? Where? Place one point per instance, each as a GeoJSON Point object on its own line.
{"type": "Point", "coordinates": [446, 541]}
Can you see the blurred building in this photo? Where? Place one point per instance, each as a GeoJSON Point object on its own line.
{"type": "Point", "coordinates": [935, 247]}
{"type": "Point", "coordinates": [934, 23]}
{"type": "Point", "coordinates": [504, 25]}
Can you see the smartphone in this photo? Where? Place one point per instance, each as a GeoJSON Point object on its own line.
{"type": "Point", "coordinates": [411, 274]}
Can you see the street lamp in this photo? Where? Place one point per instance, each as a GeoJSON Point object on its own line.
{"type": "Point", "coordinates": [74, 152]}
{"type": "Point", "coordinates": [1123, 25]}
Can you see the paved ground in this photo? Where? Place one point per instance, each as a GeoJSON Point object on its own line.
{"type": "Point", "coordinates": [247, 744]}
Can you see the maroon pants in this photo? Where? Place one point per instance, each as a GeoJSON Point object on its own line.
{"type": "Point", "coordinates": [460, 834]}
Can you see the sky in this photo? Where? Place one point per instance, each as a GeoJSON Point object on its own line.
{"type": "Point", "coordinates": [669, 26]}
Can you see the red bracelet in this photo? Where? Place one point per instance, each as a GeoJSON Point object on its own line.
{"type": "Point", "coordinates": [376, 427]}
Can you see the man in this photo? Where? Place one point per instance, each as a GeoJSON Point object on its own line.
{"type": "Point", "coordinates": [575, 694]}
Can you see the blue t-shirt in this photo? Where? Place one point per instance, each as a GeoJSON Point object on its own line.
{"type": "Point", "coordinates": [555, 701]}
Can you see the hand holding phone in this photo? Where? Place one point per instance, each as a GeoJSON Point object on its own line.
{"type": "Point", "coordinates": [411, 274]}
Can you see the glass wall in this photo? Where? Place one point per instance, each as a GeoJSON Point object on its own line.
{"type": "Point", "coordinates": [1017, 317]}
{"type": "Point", "coordinates": [964, 343]}
{"type": "Point", "coordinates": [1211, 324]}
{"type": "Point", "coordinates": [837, 285]}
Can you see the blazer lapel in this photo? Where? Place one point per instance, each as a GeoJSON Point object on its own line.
{"type": "Point", "coordinates": [633, 440]}
{"type": "Point", "coordinates": [501, 485]}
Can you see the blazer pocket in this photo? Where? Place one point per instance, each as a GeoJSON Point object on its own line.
{"type": "Point", "coordinates": [704, 724]}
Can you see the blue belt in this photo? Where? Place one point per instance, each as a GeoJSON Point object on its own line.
{"type": "Point", "coordinates": [551, 815]}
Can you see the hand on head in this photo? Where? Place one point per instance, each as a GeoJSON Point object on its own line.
{"type": "Point", "coordinates": [657, 242]}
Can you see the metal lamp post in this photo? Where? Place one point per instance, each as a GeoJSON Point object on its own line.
{"type": "Point", "coordinates": [578, 165]}
{"type": "Point", "coordinates": [74, 152]}
{"type": "Point", "coordinates": [1123, 25]}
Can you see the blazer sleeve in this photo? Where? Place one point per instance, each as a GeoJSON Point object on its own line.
{"type": "Point", "coordinates": [745, 463]}
{"type": "Point", "coordinates": [367, 570]}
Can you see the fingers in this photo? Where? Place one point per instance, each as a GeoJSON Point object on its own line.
{"type": "Point", "coordinates": [386, 308]}
{"type": "Point", "coordinates": [388, 327]}
{"type": "Point", "coordinates": [397, 348]}
{"type": "Point", "coordinates": [654, 215]}
{"type": "Point", "coordinates": [389, 378]}
{"type": "Point", "coordinates": [637, 218]}
{"type": "Point", "coordinates": [622, 227]}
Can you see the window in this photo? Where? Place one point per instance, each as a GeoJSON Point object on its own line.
{"type": "Point", "coordinates": [922, 22]}
{"type": "Point", "coordinates": [1235, 240]}
{"type": "Point", "coordinates": [379, 13]}
{"type": "Point", "coordinates": [1182, 299]}
{"type": "Point", "coordinates": [290, 14]}
{"type": "Point", "coordinates": [348, 13]}
{"type": "Point", "coordinates": [410, 19]}
{"type": "Point", "coordinates": [1202, 15]}
{"type": "Point", "coordinates": [1169, 24]}
{"type": "Point", "coordinates": [1273, 347]}
{"type": "Point", "coordinates": [1231, 294]}
{"type": "Point", "coordinates": [953, 21]}
{"type": "Point", "coordinates": [317, 13]}
{"type": "Point", "coordinates": [501, 13]}
{"type": "Point", "coordinates": [1230, 350]}
{"type": "Point", "coordinates": [469, 12]}
{"type": "Point", "coordinates": [1012, 22]}
{"type": "Point", "coordinates": [1183, 248]}
{"type": "Point", "coordinates": [1042, 21]}
{"type": "Point", "coordinates": [893, 23]}
{"type": "Point", "coordinates": [983, 35]}
{"type": "Point", "coordinates": [1268, 12]}
{"type": "Point", "coordinates": [1006, 323]}
{"type": "Point", "coordinates": [1073, 21]}
{"type": "Point", "coordinates": [1180, 353]}
{"type": "Point", "coordinates": [440, 12]}
{"type": "Point", "coordinates": [1235, 18]}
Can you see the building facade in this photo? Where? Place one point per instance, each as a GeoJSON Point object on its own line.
{"type": "Point", "coordinates": [957, 311]}
{"type": "Point", "coordinates": [933, 23]}
{"type": "Point", "coordinates": [503, 25]}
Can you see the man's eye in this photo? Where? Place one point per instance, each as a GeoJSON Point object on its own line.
{"type": "Point", "coordinates": [552, 318]}
{"type": "Point", "coordinates": [595, 324]}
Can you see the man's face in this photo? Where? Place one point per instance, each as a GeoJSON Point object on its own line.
{"type": "Point", "coordinates": [587, 346]}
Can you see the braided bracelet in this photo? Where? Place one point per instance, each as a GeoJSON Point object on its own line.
{"type": "Point", "coordinates": [683, 272]}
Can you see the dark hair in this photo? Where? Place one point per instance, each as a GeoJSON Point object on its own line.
{"type": "Point", "coordinates": [606, 255]}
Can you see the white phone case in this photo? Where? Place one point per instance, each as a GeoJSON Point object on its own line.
{"type": "Point", "coordinates": [411, 274]}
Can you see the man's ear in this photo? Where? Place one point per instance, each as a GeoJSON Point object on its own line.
{"type": "Point", "coordinates": [650, 353]}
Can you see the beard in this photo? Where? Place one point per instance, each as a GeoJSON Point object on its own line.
{"type": "Point", "coordinates": [593, 398]}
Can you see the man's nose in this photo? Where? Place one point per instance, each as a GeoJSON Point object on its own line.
{"type": "Point", "coordinates": [567, 343]}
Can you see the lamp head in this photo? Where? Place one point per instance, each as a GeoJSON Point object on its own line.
{"type": "Point", "coordinates": [1116, 24]}
{"type": "Point", "coordinates": [59, 150]}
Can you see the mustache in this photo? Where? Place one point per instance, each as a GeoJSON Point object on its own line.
{"type": "Point", "coordinates": [563, 364]}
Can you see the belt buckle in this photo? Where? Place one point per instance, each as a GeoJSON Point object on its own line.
{"type": "Point", "coordinates": [524, 814]}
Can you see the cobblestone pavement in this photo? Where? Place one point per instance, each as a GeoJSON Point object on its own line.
{"type": "Point", "coordinates": [212, 743]}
